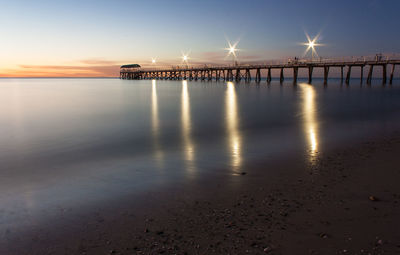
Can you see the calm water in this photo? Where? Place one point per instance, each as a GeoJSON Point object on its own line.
{"type": "Point", "coordinates": [76, 141]}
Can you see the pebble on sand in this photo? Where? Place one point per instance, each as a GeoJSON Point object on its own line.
{"type": "Point", "coordinates": [372, 198]}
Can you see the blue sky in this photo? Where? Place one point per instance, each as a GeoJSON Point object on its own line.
{"type": "Point", "coordinates": [82, 37]}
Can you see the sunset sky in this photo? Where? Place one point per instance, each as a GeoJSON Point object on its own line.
{"type": "Point", "coordinates": [93, 38]}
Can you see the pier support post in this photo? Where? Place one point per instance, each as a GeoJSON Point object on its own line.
{"type": "Point", "coordinates": [269, 75]}
{"type": "Point", "coordinates": [384, 73]}
{"type": "Point", "coordinates": [310, 71]}
{"type": "Point", "coordinates": [281, 76]}
{"type": "Point", "coordinates": [326, 73]}
{"type": "Point", "coordinates": [362, 74]}
{"type": "Point", "coordinates": [348, 75]}
{"type": "Point", "coordinates": [238, 77]}
{"type": "Point", "coordinates": [295, 73]}
{"type": "Point", "coordinates": [369, 78]}
{"type": "Point", "coordinates": [341, 74]}
{"type": "Point", "coordinates": [248, 75]}
{"type": "Point", "coordinates": [229, 75]}
{"type": "Point", "coordinates": [391, 74]}
{"type": "Point", "coordinates": [258, 75]}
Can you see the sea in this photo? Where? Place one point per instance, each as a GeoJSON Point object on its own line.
{"type": "Point", "coordinates": [74, 143]}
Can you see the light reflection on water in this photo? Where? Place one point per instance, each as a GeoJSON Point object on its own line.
{"type": "Point", "coordinates": [309, 110]}
{"type": "Point", "coordinates": [73, 139]}
{"type": "Point", "coordinates": [189, 150]}
{"type": "Point", "coordinates": [155, 124]}
{"type": "Point", "coordinates": [232, 125]}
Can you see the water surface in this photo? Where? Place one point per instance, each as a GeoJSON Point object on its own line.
{"type": "Point", "coordinates": [73, 142]}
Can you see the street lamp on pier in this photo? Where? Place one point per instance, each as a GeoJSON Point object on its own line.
{"type": "Point", "coordinates": [311, 44]}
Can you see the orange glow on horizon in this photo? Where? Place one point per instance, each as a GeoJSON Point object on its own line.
{"type": "Point", "coordinates": [60, 71]}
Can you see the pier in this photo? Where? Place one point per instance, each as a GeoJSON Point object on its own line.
{"type": "Point", "coordinates": [243, 72]}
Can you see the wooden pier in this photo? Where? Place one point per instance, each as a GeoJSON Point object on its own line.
{"type": "Point", "coordinates": [243, 71]}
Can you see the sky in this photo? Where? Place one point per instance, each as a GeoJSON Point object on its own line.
{"type": "Point", "coordinates": [93, 38]}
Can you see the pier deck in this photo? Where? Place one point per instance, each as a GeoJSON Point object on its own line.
{"type": "Point", "coordinates": [243, 71]}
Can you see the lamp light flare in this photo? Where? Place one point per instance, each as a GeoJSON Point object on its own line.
{"type": "Point", "coordinates": [232, 49]}
{"type": "Point", "coordinates": [185, 57]}
{"type": "Point", "coordinates": [311, 44]}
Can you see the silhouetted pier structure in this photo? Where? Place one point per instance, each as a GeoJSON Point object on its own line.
{"type": "Point", "coordinates": [243, 71]}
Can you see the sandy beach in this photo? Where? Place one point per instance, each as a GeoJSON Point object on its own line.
{"type": "Point", "coordinates": [346, 201]}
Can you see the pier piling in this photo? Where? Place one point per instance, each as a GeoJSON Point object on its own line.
{"type": "Point", "coordinates": [348, 75]}
{"type": "Point", "coordinates": [295, 74]}
{"type": "Point", "coordinates": [326, 72]}
{"type": "Point", "coordinates": [391, 74]}
{"type": "Point", "coordinates": [369, 78]}
{"type": "Point", "coordinates": [258, 75]}
{"type": "Point", "coordinates": [281, 79]}
{"type": "Point", "coordinates": [384, 73]}
{"type": "Point", "coordinates": [310, 71]}
{"type": "Point", "coordinates": [341, 74]}
{"type": "Point", "coordinates": [269, 75]}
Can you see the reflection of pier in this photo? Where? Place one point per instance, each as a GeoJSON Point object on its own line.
{"type": "Point", "coordinates": [243, 71]}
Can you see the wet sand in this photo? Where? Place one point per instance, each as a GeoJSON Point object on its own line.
{"type": "Point", "coordinates": [346, 201]}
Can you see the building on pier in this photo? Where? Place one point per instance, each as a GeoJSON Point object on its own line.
{"type": "Point", "coordinates": [129, 71]}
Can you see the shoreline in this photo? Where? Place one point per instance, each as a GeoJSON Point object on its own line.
{"type": "Point", "coordinates": [344, 202]}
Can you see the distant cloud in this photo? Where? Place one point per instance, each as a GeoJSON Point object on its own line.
{"type": "Point", "coordinates": [95, 61]}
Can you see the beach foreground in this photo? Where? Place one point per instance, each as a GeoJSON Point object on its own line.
{"type": "Point", "coordinates": [343, 202]}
